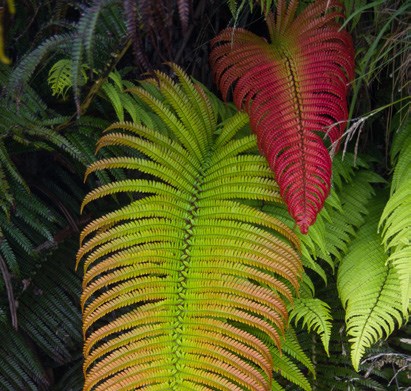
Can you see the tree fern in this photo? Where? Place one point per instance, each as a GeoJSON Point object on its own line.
{"type": "Point", "coordinates": [188, 265]}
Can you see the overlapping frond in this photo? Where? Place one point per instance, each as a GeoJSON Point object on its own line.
{"type": "Point", "coordinates": [396, 217]}
{"type": "Point", "coordinates": [177, 281]}
{"type": "Point", "coordinates": [342, 215]}
{"type": "Point", "coordinates": [369, 288]}
{"type": "Point", "coordinates": [334, 371]}
{"type": "Point", "coordinates": [294, 89]}
{"type": "Point", "coordinates": [345, 210]}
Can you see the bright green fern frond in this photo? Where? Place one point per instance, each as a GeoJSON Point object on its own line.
{"type": "Point", "coordinates": [396, 217]}
{"type": "Point", "coordinates": [26, 67]}
{"type": "Point", "coordinates": [338, 223]}
{"type": "Point", "coordinates": [180, 284]}
{"type": "Point", "coordinates": [369, 288]}
{"type": "Point", "coordinates": [60, 78]}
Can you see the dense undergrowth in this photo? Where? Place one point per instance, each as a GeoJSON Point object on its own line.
{"type": "Point", "coordinates": [68, 71]}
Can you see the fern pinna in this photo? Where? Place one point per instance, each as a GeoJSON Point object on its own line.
{"type": "Point", "coordinates": [177, 281]}
{"type": "Point", "coordinates": [294, 89]}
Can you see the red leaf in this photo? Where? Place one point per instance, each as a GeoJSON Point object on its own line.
{"type": "Point", "coordinates": [294, 89]}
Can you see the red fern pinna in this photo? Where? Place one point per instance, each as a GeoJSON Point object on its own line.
{"type": "Point", "coordinates": [294, 89]}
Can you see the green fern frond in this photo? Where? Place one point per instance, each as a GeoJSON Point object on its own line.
{"type": "Point", "coordinates": [20, 368]}
{"type": "Point", "coordinates": [8, 254]}
{"type": "Point", "coordinates": [369, 288]}
{"type": "Point", "coordinates": [72, 380]}
{"type": "Point", "coordinates": [396, 217]}
{"type": "Point", "coordinates": [49, 311]}
{"type": "Point", "coordinates": [190, 270]}
{"type": "Point", "coordinates": [6, 162]}
{"type": "Point", "coordinates": [236, 6]}
{"type": "Point", "coordinates": [291, 363]}
{"type": "Point", "coordinates": [90, 35]}
{"type": "Point", "coordinates": [335, 371]}
{"type": "Point", "coordinates": [315, 315]}
{"type": "Point", "coordinates": [60, 77]}
{"type": "Point", "coordinates": [26, 67]}
{"type": "Point", "coordinates": [287, 369]}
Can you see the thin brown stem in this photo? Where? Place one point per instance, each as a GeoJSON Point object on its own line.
{"type": "Point", "coordinates": [9, 289]}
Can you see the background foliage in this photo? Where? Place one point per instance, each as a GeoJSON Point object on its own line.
{"type": "Point", "coordinates": [65, 66]}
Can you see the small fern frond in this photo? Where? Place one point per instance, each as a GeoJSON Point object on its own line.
{"type": "Point", "coordinates": [26, 67]}
{"type": "Point", "coordinates": [315, 315]}
{"type": "Point", "coordinates": [369, 289]}
{"type": "Point", "coordinates": [184, 7]}
{"type": "Point", "coordinates": [177, 282]}
{"type": "Point", "coordinates": [293, 88]}
{"type": "Point", "coordinates": [60, 77]}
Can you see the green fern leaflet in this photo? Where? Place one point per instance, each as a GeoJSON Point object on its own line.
{"type": "Point", "coordinates": [177, 281]}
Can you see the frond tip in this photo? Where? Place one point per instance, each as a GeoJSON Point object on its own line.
{"type": "Point", "coordinates": [176, 282]}
{"type": "Point", "coordinates": [293, 89]}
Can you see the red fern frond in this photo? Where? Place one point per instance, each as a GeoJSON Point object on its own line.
{"type": "Point", "coordinates": [294, 89]}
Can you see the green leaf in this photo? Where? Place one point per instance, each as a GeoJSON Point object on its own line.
{"type": "Point", "coordinates": [369, 288]}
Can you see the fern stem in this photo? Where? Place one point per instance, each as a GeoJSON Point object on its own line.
{"type": "Point", "coordinates": [10, 295]}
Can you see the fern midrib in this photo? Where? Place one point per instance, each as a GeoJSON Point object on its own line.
{"type": "Point", "coordinates": [185, 260]}
{"type": "Point", "coordinates": [371, 311]}
{"type": "Point", "coordinates": [291, 68]}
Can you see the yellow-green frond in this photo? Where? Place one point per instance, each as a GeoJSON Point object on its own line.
{"type": "Point", "coordinates": [180, 284]}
